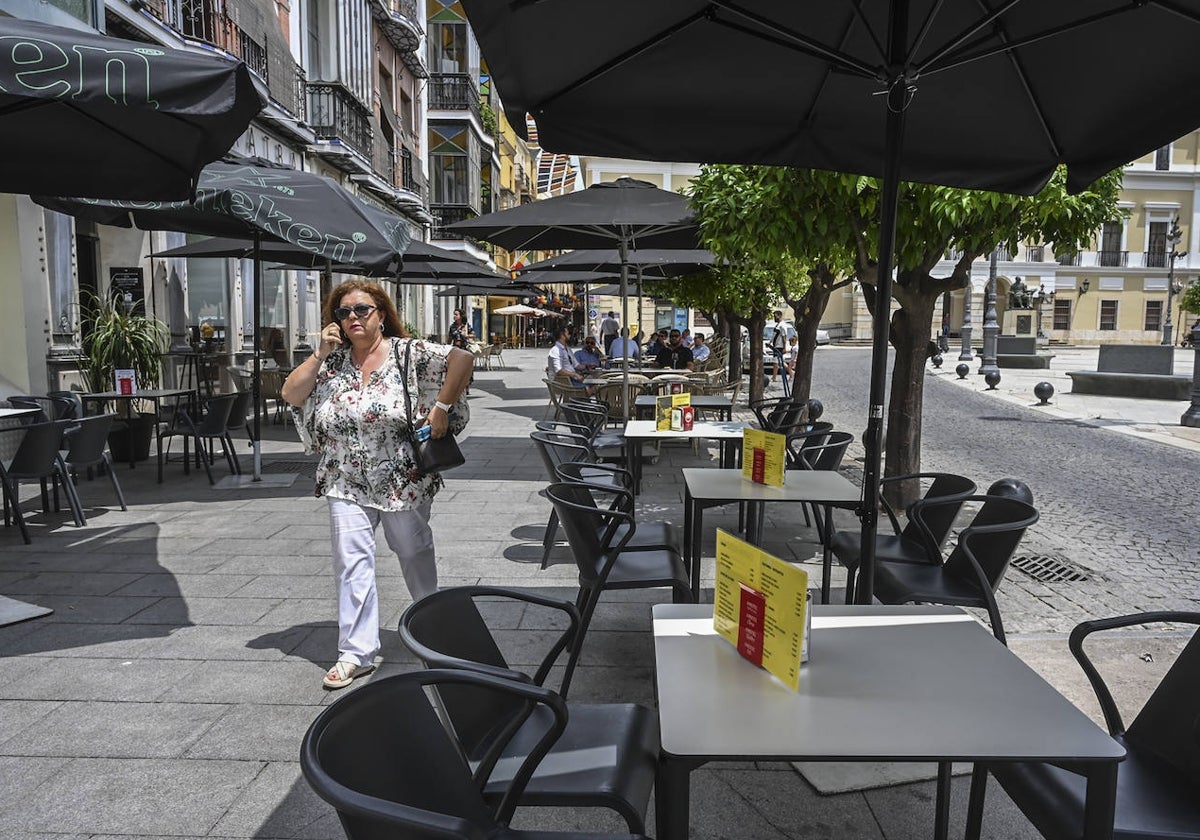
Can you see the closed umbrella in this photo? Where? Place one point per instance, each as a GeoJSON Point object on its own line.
{"type": "Point", "coordinates": [967, 93]}
{"type": "Point", "coordinates": [87, 115]}
{"type": "Point", "coordinates": [310, 212]}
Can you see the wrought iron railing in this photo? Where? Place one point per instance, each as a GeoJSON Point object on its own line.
{"type": "Point", "coordinates": [1069, 259]}
{"type": "Point", "coordinates": [1112, 258]}
{"type": "Point", "coordinates": [1156, 259]}
{"type": "Point", "coordinates": [1004, 253]}
{"type": "Point", "coordinates": [453, 92]}
{"type": "Point", "coordinates": [1035, 253]}
{"type": "Point", "coordinates": [954, 254]}
{"type": "Point", "coordinates": [383, 159]}
{"type": "Point", "coordinates": [410, 175]}
{"type": "Point", "coordinates": [334, 114]}
{"type": "Point", "coordinates": [448, 214]}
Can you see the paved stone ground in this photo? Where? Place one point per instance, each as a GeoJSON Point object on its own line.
{"type": "Point", "coordinates": [167, 694]}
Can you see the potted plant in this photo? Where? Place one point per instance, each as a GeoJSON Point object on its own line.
{"type": "Point", "coordinates": [116, 337]}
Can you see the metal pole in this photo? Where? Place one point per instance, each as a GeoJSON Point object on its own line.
{"type": "Point", "coordinates": [256, 384]}
{"type": "Point", "coordinates": [990, 328]}
{"type": "Point", "coordinates": [966, 355]}
{"type": "Point", "coordinates": [889, 203]}
{"type": "Point", "coordinates": [623, 249]}
{"type": "Point", "coordinates": [1191, 417]}
{"type": "Point", "coordinates": [1173, 238]}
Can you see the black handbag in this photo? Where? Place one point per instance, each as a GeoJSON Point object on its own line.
{"type": "Point", "coordinates": [434, 455]}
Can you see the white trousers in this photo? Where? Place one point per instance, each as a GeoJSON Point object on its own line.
{"type": "Point", "coordinates": [408, 534]}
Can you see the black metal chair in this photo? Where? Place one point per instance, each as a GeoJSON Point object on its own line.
{"type": "Point", "coordinates": [87, 447]}
{"type": "Point", "coordinates": [775, 413]}
{"type": "Point", "coordinates": [38, 458]}
{"type": "Point", "coordinates": [608, 754]}
{"type": "Point", "coordinates": [974, 569]}
{"type": "Point", "coordinates": [68, 404]}
{"type": "Point", "coordinates": [1158, 783]}
{"type": "Point", "coordinates": [913, 543]}
{"type": "Point", "coordinates": [558, 442]}
{"type": "Point", "coordinates": [239, 418]}
{"type": "Point", "coordinates": [46, 407]}
{"type": "Point", "coordinates": [383, 759]}
{"type": "Point", "coordinates": [598, 543]}
{"type": "Point", "coordinates": [607, 478]}
{"type": "Point", "coordinates": [210, 427]}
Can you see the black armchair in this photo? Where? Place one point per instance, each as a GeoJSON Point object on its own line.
{"type": "Point", "coordinates": [974, 569]}
{"type": "Point", "coordinates": [914, 543]}
{"type": "Point", "coordinates": [211, 426]}
{"type": "Point", "coordinates": [87, 447]}
{"type": "Point", "coordinates": [608, 753]}
{"type": "Point", "coordinates": [1159, 780]}
{"type": "Point", "coordinates": [606, 479]}
{"type": "Point", "coordinates": [383, 759]}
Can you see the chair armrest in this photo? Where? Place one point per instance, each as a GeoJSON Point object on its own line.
{"type": "Point", "coordinates": [1112, 716]}
{"type": "Point", "coordinates": [892, 480]}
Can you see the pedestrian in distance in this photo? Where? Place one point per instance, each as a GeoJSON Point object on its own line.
{"type": "Point", "coordinates": [358, 401]}
{"type": "Point", "coordinates": [461, 335]}
{"type": "Point", "coordinates": [610, 328]}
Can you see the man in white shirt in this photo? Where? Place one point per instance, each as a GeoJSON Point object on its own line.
{"type": "Point", "coordinates": [624, 348]}
{"type": "Point", "coordinates": [560, 363]}
{"type": "Point", "coordinates": [700, 350]}
{"type": "Point", "coordinates": [609, 327]}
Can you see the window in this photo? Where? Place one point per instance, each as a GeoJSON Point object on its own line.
{"type": "Point", "coordinates": [208, 290]}
{"type": "Point", "coordinates": [1156, 245]}
{"type": "Point", "coordinates": [1110, 244]}
{"type": "Point", "coordinates": [1162, 159]}
{"type": "Point", "coordinates": [1108, 314]}
{"type": "Point", "coordinates": [1154, 316]}
{"type": "Point", "coordinates": [448, 48]}
{"type": "Point", "coordinates": [1062, 314]}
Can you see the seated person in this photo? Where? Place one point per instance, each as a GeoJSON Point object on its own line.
{"type": "Point", "coordinates": [658, 342]}
{"type": "Point", "coordinates": [675, 356]}
{"type": "Point", "coordinates": [700, 350]}
{"type": "Point", "coordinates": [560, 364]}
{"type": "Point", "coordinates": [624, 348]}
{"type": "Point", "coordinates": [688, 340]}
{"type": "Point", "coordinates": [589, 356]}
{"type": "Point", "coordinates": [789, 358]}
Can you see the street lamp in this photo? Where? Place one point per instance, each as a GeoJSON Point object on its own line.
{"type": "Point", "coordinates": [1041, 296]}
{"type": "Point", "coordinates": [991, 328]}
{"type": "Point", "coordinates": [1173, 237]}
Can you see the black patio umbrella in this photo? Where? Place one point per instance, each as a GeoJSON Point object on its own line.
{"type": "Point", "coordinates": [654, 262]}
{"type": "Point", "coordinates": [262, 203]}
{"type": "Point", "coordinates": [87, 115]}
{"type": "Point", "coordinates": [624, 214]}
{"type": "Point", "coordinates": [984, 94]}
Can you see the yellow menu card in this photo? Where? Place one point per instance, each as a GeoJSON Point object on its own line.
{"type": "Point", "coordinates": [664, 406]}
{"type": "Point", "coordinates": [759, 607]}
{"type": "Point", "coordinates": [764, 457]}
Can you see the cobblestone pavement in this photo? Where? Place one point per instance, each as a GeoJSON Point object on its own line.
{"type": "Point", "coordinates": [1120, 507]}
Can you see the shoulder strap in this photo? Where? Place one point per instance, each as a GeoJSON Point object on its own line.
{"type": "Point", "coordinates": [404, 373]}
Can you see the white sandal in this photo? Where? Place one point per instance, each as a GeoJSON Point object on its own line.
{"type": "Point", "coordinates": [343, 673]}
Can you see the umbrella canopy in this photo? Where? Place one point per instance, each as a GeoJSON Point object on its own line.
{"type": "Point", "coordinates": [289, 256]}
{"type": "Point", "coordinates": [435, 273]}
{"type": "Point", "coordinates": [654, 262]}
{"type": "Point", "coordinates": [87, 115]}
{"type": "Point", "coordinates": [309, 212]}
{"type": "Point", "coordinates": [625, 210]}
{"type": "Point", "coordinates": [518, 309]}
{"type": "Point", "coordinates": [957, 92]}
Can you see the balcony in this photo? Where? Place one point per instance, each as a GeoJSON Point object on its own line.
{"type": "Point", "coordinates": [334, 114]}
{"type": "Point", "coordinates": [1112, 259]}
{"type": "Point", "coordinates": [1035, 253]}
{"type": "Point", "coordinates": [1069, 259]}
{"type": "Point", "coordinates": [410, 176]}
{"type": "Point", "coordinates": [448, 214]}
{"type": "Point", "coordinates": [208, 22]}
{"type": "Point", "coordinates": [1156, 259]}
{"type": "Point", "coordinates": [454, 92]}
{"type": "Point", "coordinates": [400, 23]}
{"type": "Point", "coordinates": [953, 254]}
{"type": "Point", "coordinates": [1004, 253]}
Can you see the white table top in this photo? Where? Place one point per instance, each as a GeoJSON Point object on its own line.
{"type": "Point", "coordinates": [923, 683]}
{"type": "Point", "coordinates": [16, 412]}
{"type": "Point", "coordinates": [646, 430]}
{"type": "Point", "coordinates": [703, 400]}
{"type": "Point", "coordinates": [818, 486]}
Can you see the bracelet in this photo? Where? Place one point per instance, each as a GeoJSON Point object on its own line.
{"type": "Point", "coordinates": [443, 406]}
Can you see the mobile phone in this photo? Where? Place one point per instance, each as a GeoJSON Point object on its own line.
{"type": "Point", "coordinates": [423, 433]}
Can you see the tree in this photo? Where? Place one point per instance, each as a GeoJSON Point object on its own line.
{"type": "Point", "coordinates": [748, 213]}
{"type": "Point", "coordinates": [831, 220]}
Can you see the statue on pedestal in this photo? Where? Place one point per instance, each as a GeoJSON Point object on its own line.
{"type": "Point", "coordinates": [1019, 296]}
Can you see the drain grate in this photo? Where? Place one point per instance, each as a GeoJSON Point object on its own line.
{"type": "Point", "coordinates": [1050, 569]}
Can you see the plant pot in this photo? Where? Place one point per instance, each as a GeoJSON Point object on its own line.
{"type": "Point", "coordinates": [132, 433]}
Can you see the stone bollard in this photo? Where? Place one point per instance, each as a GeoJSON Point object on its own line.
{"type": "Point", "coordinates": [1043, 391]}
{"type": "Point", "coordinates": [1191, 417]}
{"type": "Point", "coordinates": [992, 378]}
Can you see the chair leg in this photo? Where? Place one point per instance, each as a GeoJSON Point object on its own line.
{"type": "Point", "coordinates": [587, 600]}
{"type": "Point", "coordinates": [548, 539]}
{"type": "Point", "coordinates": [112, 476]}
{"type": "Point", "coordinates": [975, 802]}
{"type": "Point", "coordinates": [234, 464]}
{"type": "Point", "coordinates": [200, 449]}
{"type": "Point", "coordinates": [72, 497]}
{"type": "Point", "coordinates": [12, 497]}
{"type": "Point", "coordinates": [228, 450]}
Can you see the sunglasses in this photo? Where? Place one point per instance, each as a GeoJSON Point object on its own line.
{"type": "Point", "coordinates": [362, 310]}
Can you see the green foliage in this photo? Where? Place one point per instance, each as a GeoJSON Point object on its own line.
{"type": "Point", "coordinates": [117, 339]}
{"type": "Point", "coordinates": [1190, 300]}
{"type": "Point", "coordinates": [487, 116]}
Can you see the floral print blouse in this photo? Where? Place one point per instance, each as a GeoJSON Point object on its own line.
{"type": "Point", "coordinates": [361, 429]}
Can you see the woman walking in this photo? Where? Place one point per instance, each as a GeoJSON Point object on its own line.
{"type": "Point", "coordinates": [357, 410]}
{"type": "Point", "coordinates": [461, 335]}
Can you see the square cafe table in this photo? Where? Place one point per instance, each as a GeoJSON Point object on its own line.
{"type": "Point", "coordinates": [883, 684]}
{"type": "Point", "coordinates": [707, 487]}
{"type": "Point", "coordinates": [644, 405]}
{"type": "Point", "coordinates": [637, 432]}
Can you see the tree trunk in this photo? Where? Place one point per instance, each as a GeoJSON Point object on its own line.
{"type": "Point", "coordinates": [755, 324]}
{"type": "Point", "coordinates": [910, 335]}
{"type": "Point", "coordinates": [810, 308]}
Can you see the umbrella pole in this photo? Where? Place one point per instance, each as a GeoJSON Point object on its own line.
{"type": "Point", "coordinates": [256, 387]}
{"type": "Point", "coordinates": [623, 248]}
{"type": "Point", "coordinates": [897, 101]}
